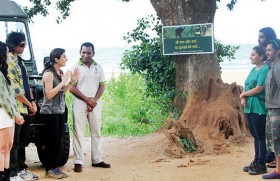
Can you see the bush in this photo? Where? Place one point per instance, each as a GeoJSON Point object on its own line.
{"type": "Point", "coordinates": [126, 109]}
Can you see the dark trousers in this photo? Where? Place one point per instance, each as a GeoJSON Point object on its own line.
{"type": "Point", "coordinates": [270, 157]}
{"type": "Point", "coordinates": [17, 154]}
{"type": "Point", "coordinates": [256, 123]}
{"type": "Point", "coordinates": [54, 128]}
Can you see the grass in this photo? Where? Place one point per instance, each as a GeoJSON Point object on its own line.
{"type": "Point", "coordinates": [126, 111]}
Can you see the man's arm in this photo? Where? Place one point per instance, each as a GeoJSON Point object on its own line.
{"type": "Point", "coordinates": [97, 96]}
{"type": "Point", "coordinates": [34, 106]}
{"type": "Point", "coordinates": [75, 91]}
{"type": "Point", "coordinates": [100, 90]}
{"type": "Point", "coordinates": [19, 92]}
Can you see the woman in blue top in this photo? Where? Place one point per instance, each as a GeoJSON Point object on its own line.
{"type": "Point", "coordinates": [253, 101]}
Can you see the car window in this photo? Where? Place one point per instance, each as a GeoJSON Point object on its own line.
{"type": "Point", "coordinates": [8, 26]}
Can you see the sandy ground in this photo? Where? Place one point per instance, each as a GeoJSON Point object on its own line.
{"type": "Point", "coordinates": [230, 76]}
{"type": "Point", "coordinates": [144, 159]}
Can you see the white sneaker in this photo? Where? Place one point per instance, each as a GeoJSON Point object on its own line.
{"type": "Point", "coordinates": [53, 174]}
{"type": "Point", "coordinates": [16, 178]}
{"type": "Point", "coordinates": [27, 175]}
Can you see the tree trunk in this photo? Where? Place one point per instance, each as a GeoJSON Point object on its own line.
{"type": "Point", "coordinates": [211, 109]}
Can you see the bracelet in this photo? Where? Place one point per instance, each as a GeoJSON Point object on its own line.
{"type": "Point", "coordinates": [95, 99]}
{"type": "Point", "coordinates": [72, 83]}
{"type": "Point", "coordinates": [32, 100]}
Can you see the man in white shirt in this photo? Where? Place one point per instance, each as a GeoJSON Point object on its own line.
{"type": "Point", "coordinates": [87, 106]}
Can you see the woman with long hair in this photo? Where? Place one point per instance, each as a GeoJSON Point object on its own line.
{"type": "Point", "coordinates": [55, 84]}
{"type": "Point", "coordinates": [9, 114]}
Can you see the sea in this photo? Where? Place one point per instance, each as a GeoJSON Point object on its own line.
{"type": "Point", "coordinates": [110, 58]}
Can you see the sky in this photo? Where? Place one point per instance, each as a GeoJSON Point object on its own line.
{"type": "Point", "coordinates": [243, 23]}
{"type": "Point", "coordinates": [104, 22]}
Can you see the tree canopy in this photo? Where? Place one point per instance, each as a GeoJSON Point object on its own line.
{"type": "Point", "coordinates": [64, 7]}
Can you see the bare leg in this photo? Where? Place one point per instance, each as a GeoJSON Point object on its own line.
{"type": "Point", "coordinates": [6, 142]}
{"type": "Point", "coordinates": [277, 158]}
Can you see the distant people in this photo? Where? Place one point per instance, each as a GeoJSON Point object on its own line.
{"type": "Point", "coordinates": [26, 105]}
{"type": "Point", "coordinates": [272, 101]}
{"type": "Point", "coordinates": [265, 35]}
{"type": "Point", "coordinates": [53, 107]}
{"type": "Point", "coordinates": [87, 106]}
{"type": "Point", "coordinates": [9, 114]}
{"type": "Point", "coordinates": [252, 99]}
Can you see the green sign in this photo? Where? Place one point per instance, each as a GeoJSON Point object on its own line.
{"type": "Point", "coordinates": [188, 39]}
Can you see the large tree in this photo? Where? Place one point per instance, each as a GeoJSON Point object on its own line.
{"type": "Point", "coordinates": [211, 109]}
{"type": "Point", "coordinates": [212, 112]}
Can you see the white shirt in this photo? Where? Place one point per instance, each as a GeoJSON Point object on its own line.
{"type": "Point", "coordinates": [89, 79]}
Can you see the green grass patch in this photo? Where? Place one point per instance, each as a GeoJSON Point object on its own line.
{"type": "Point", "coordinates": [126, 110]}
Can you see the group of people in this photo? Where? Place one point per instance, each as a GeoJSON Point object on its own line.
{"type": "Point", "coordinates": [261, 102]}
{"type": "Point", "coordinates": [17, 106]}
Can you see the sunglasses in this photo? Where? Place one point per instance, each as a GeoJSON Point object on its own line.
{"type": "Point", "coordinates": [22, 45]}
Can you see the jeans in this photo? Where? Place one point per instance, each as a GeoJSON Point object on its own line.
{"type": "Point", "coordinates": [270, 157]}
{"type": "Point", "coordinates": [256, 123]}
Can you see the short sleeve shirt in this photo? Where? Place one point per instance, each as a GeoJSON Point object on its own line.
{"type": "Point", "coordinates": [272, 86]}
{"type": "Point", "coordinates": [15, 75]}
{"type": "Point", "coordinates": [90, 78]}
{"type": "Point", "coordinates": [256, 103]}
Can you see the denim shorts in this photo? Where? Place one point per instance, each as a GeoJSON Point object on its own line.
{"type": "Point", "coordinates": [273, 131]}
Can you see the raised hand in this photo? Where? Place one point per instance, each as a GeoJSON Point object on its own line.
{"type": "Point", "coordinates": [75, 75]}
{"type": "Point", "coordinates": [65, 77]}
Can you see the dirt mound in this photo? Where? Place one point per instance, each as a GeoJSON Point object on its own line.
{"type": "Point", "coordinates": [210, 124]}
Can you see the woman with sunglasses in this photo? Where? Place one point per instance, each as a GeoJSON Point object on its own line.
{"type": "Point", "coordinates": [272, 101]}
{"type": "Point", "coordinates": [8, 114]}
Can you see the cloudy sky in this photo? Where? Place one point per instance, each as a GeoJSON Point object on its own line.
{"type": "Point", "coordinates": [105, 22]}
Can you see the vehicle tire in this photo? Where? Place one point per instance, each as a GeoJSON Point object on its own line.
{"type": "Point", "coordinates": [63, 151]}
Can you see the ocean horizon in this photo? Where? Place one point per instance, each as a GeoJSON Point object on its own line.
{"type": "Point", "coordinates": [110, 58]}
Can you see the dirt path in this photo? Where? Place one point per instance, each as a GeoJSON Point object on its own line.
{"type": "Point", "coordinates": [143, 159]}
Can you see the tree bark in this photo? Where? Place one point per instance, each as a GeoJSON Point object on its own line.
{"type": "Point", "coordinates": [200, 93]}
{"type": "Point", "coordinates": [192, 72]}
